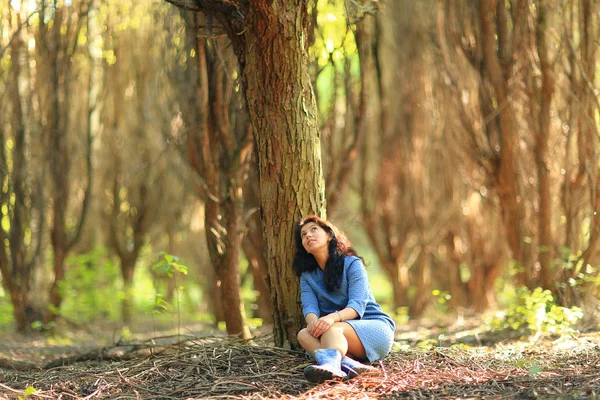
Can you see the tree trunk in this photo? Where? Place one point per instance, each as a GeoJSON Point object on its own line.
{"type": "Point", "coordinates": [228, 271]}
{"type": "Point", "coordinates": [284, 119]}
{"type": "Point", "coordinates": [541, 154]}
{"type": "Point", "coordinates": [213, 297]}
{"type": "Point", "coordinates": [506, 175]}
{"type": "Point", "coordinates": [57, 43]}
{"type": "Point", "coordinates": [21, 198]}
{"type": "Point", "coordinates": [456, 287]}
{"type": "Point", "coordinates": [399, 290]}
{"type": "Point", "coordinates": [589, 130]}
{"type": "Point", "coordinates": [259, 269]}
{"type": "Point", "coordinates": [423, 293]}
{"type": "Point", "coordinates": [56, 296]}
{"type": "Point", "coordinates": [254, 246]}
{"type": "Point", "coordinates": [127, 271]}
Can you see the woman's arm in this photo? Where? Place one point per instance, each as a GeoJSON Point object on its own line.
{"type": "Point", "coordinates": [345, 314]}
{"type": "Point", "coordinates": [311, 317]}
{"type": "Point", "coordinates": [358, 288]}
{"type": "Point", "coordinates": [310, 303]}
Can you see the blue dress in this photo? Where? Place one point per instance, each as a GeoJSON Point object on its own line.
{"type": "Point", "coordinates": [374, 328]}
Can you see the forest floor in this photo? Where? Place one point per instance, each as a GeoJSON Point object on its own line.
{"type": "Point", "coordinates": [451, 362]}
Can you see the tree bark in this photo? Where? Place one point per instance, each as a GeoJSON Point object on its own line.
{"type": "Point", "coordinates": [506, 175]}
{"type": "Point", "coordinates": [127, 271]}
{"type": "Point", "coordinates": [423, 292]}
{"type": "Point", "coordinates": [284, 118]}
{"type": "Point", "coordinates": [541, 152]}
{"type": "Point", "coordinates": [456, 287]}
{"type": "Point", "coordinates": [254, 249]}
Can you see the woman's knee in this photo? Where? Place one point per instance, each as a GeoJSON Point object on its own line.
{"type": "Point", "coordinates": [303, 336]}
{"type": "Point", "coordinates": [335, 329]}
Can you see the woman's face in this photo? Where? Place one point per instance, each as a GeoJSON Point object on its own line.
{"type": "Point", "coordinates": [314, 238]}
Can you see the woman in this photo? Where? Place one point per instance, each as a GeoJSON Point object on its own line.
{"type": "Point", "coordinates": [344, 322]}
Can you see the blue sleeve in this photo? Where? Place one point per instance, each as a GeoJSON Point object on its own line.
{"type": "Point", "coordinates": [310, 303]}
{"type": "Point", "coordinates": [358, 287]}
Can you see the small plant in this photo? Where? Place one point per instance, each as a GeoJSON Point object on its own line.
{"type": "Point", "coordinates": [537, 312]}
{"type": "Point", "coordinates": [29, 391]}
{"type": "Point", "coordinates": [428, 344]}
{"type": "Point", "coordinates": [442, 297]}
{"type": "Point", "coordinates": [169, 265]}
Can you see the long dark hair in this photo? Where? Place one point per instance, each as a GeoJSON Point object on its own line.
{"type": "Point", "coordinates": [339, 247]}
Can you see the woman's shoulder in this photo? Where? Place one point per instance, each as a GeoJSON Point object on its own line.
{"type": "Point", "coordinates": [352, 260]}
{"type": "Point", "coordinates": [310, 274]}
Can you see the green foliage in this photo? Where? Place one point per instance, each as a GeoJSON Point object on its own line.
{"type": "Point", "coordinates": [537, 312]}
{"type": "Point", "coordinates": [580, 274]}
{"type": "Point", "coordinates": [428, 344]}
{"type": "Point", "coordinates": [334, 53]}
{"type": "Point", "coordinates": [518, 359]}
{"type": "Point", "coordinates": [397, 346]}
{"type": "Point", "coordinates": [29, 391]}
{"type": "Point", "coordinates": [89, 287]}
{"type": "Point", "coordinates": [169, 265]}
{"type": "Point", "coordinates": [400, 315]}
{"type": "Point", "coordinates": [6, 311]}
{"type": "Point", "coordinates": [41, 326]}
{"type": "Point", "coordinates": [442, 299]}
{"type": "Point", "coordinates": [160, 305]}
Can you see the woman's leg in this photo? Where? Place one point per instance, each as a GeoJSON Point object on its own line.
{"type": "Point", "coordinates": [341, 336]}
{"type": "Point", "coordinates": [308, 341]}
{"type": "Point", "coordinates": [353, 347]}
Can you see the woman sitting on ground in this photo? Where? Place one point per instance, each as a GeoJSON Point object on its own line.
{"type": "Point", "coordinates": [345, 325]}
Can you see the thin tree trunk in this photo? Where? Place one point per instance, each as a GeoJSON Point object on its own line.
{"type": "Point", "coordinates": [228, 272]}
{"type": "Point", "coordinates": [259, 269]}
{"type": "Point", "coordinates": [127, 271]}
{"type": "Point", "coordinates": [507, 178]}
{"type": "Point", "coordinates": [456, 287]}
{"type": "Point", "coordinates": [56, 50]}
{"type": "Point", "coordinates": [589, 128]}
{"type": "Point", "coordinates": [19, 202]}
{"type": "Point", "coordinates": [541, 154]}
{"type": "Point", "coordinates": [254, 246]}
{"type": "Point", "coordinates": [423, 293]}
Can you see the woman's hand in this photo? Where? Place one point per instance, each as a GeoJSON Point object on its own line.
{"type": "Point", "coordinates": [320, 326]}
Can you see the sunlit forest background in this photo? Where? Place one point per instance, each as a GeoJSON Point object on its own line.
{"type": "Point", "coordinates": [460, 151]}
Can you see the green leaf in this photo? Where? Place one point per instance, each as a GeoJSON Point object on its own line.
{"type": "Point", "coordinates": [29, 390]}
{"type": "Point", "coordinates": [534, 369]}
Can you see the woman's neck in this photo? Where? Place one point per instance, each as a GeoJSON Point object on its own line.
{"type": "Point", "coordinates": [322, 259]}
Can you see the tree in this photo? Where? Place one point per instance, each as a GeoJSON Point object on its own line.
{"type": "Point", "coordinates": [492, 36]}
{"type": "Point", "coordinates": [22, 209]}
{"type": "Point", "coordinates": [269, 39]}
{"type": "Point", "coordinates": [407, 194]}
{"type": "Point", "coordinates": [217, 143]}
{"type": "Point", "coordinates": [577, 109]}
{"type": "Point", "coordinates": [57, 42]}
{"type": "Point", "coordinates": [542, 142]}
{"type": "Point", "coordinates": [529, 123]}
{"type": "Point", "coordinates": [343, 62]}
{"type": "Point", "coordinates": [135, 163]}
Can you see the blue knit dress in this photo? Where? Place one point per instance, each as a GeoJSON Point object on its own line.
{"type": "Point", "coordinates": [374, 328]}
